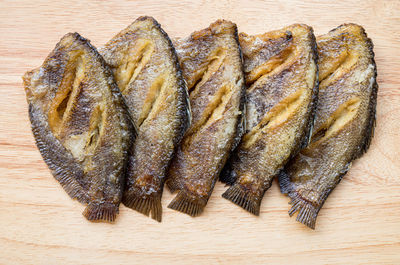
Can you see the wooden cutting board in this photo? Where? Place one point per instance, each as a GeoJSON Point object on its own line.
{"type": "Point", "coordinates": [40, 224]}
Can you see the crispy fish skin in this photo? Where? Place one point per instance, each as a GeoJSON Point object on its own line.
{"type": "Point", "coordinates": [147, 71]}
{"type": "Point", "coordinates": [282, 74]}
{"type": "Point", "coordinates": [344, 122]}
{"type": "Point", "coordinates": [81, 125]}
{"type": "Point", "coordinates": [211, 63]}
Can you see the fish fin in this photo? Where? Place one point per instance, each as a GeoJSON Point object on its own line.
{"type": "Point", "coordinates": [227, 179]}
{"type": "Point", "coordinates": [369, 131]}
{"type": "Point", "coordinates": [183, 203]}
{"type": "Point", "coordinates": [226, 175]}
{"type": "Point", "coordinates": [284, 182]}
{"type": "Point", "coordinates": [68, 183]}
{"type": "Point", "coordinates": [145, 205]}
{"type": "Point", "coordinates": [101, 212]}
{"type": "Point", "coordinates": [307, 212]}
{"type": "Point", "coordinates": [57, 158]}
{"type": "Point", "coordinates": [244, 199]}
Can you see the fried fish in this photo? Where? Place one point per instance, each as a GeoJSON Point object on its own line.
{"type": "Point", "coordinates": [212, 67]}
{"type": "Point", "coordinates": [147, 71]}
{"type": "Point", "coordinates": [344, 121]}
{"type": "Point", "coordinates": [81, 125]}
{"type": "Point", "coordinates": [282, 77]}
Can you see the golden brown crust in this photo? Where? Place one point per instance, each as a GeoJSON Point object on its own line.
{"type": "Point", "coordinates": [281, 71]}
{"type": "Point", "coordinates": [211, 63]}
{"type": "Point", "coordinates": [147, 71]}
{"type": "Point", "coordinates": [81, 125]}
{"type": "Point", "coordinates": [344, 121]}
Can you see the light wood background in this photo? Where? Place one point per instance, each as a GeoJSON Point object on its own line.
{"type": "Point", "coordinates": [40, 224]}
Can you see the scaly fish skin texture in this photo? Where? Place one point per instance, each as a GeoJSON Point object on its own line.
{"type": "Point", "coordinates": [281, 71]}
{"type": "Point", "coordinates": [81, 125]}
{"type": "Point", "coordinates": [211, 63]}
{"type": "Point", "coordinates": [147, 71]}
{"type": "Point", "coordinates": [344, 121]}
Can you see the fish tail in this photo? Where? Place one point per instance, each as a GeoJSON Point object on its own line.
{"type": "Point", "coordinates": [242, 198]}
{"type": "Point", "coordinates": [145, 205]}
{"type": "Point", "coordinates": [185, 204]}
{"type": "Point", "coordinates": [101, 212]}
{"type": "Point", "coordinates": [307, 212]}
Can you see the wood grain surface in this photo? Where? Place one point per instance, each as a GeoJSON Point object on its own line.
{"type": "Point", "coordinates": [40, 224]}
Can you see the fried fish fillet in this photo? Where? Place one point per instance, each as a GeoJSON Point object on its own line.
{"type": "Point", "coordinates": [211, 63]}
{"type": "Point", "coordinates": [282, 77]}
{"type": "Point", "coordinates": [81, 125]}
{"type": "Point", "coordinates": [344, 121]}
{"type": "Point", "coordinates": [147, 71]}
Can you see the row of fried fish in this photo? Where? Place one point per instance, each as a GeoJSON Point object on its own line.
{"type": "Point", "coordinates": [113, 125]}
